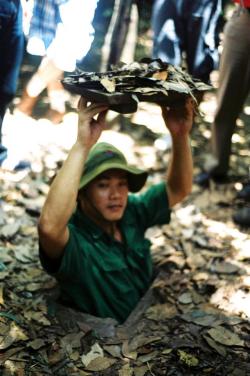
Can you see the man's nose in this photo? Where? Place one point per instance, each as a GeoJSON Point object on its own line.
{"type": "Point", "coordinates": [115, 192]}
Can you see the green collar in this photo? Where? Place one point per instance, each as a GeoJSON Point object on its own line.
{"type": "Point", "coordinates": [86, 224]}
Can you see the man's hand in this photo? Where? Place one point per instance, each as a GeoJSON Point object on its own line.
{"type": "Point", "coordinates": [90, 129]}
{"type": "Point", "coordinates": [179, 120]}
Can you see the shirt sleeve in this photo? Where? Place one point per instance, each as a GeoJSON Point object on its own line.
{"type": "Point", "coordinates": [71, 259]}
{"type": "Point", "coordinates": [151, 206]}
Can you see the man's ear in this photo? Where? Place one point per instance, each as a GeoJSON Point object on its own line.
{"type": "Point", "coordinates": [78, 198]}
{"type": "Point", "coordinates": [81, 196]}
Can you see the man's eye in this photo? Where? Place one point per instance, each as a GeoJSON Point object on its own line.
{"type": "Point", "coordinates": [102, 185]}
{"type": "Point", "coordinates": [124, 183]}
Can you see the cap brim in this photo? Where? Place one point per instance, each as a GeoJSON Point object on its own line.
{"type": "Point", "coordinates": [136, 177]}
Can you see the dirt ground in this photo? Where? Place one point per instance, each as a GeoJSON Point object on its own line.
{"type": "Point", "coordinates": [195, 318]}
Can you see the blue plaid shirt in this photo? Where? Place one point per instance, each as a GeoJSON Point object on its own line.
{"type": "Point", "coordinates": [45, 19]}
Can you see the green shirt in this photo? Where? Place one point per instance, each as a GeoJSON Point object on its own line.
{"type": "Point", "coordinates": [101, 276]}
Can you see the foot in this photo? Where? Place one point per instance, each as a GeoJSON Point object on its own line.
{"type": "Point", "coordinates": [27, 103]}
{"type": "Point", "coordinates": [14, 165]}
{"type": "Point", "coordinates": [244, 193]}
{"type": "Point", "coordinates": [242, 217]}
{"type": "Point", "coordinates": [55, 116]}
{"type": "Point", "coordinates": [22, 165]}
{"type": "Point", "coordinates": [203, 179]}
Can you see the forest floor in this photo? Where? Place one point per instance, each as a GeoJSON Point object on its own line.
{"type": "Point", "coordinates": [194, 320]}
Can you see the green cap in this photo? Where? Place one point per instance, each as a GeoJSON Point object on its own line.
{"type": "Point", "coordinates": [103, 157]}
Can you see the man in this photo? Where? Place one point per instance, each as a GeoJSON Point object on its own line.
{"type": "Point", "coordinates": [234, 77]}
{"type": "Point", "coordinates": [11, 54]}
{"type": "Point", "coordinates": [99, 254]}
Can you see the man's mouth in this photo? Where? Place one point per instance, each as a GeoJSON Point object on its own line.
{"type": "Point", "coordinates": [115, 207]}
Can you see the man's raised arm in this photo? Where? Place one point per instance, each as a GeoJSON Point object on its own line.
{"type": "Point", "coordinates": [180, 169]}
{"type": "Point", "coordinates": [61, 200]}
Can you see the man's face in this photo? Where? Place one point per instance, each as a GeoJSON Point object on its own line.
{"type": "Point", "coordinates": [108, 194]}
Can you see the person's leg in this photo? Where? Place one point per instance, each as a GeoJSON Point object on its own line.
{"type": "Point", "coordinates": [46, 73]}
{"type": "Point", "coordinates": [166, 44]}
{"type": "Point", "coordinates": [234, 84]}
{"type": "Point", "coordinates": [159, 15]}
{"type": "Point", "coordinates": [11, 54]}
{"type": "Point", "coordinates": [3, 150]}
{"type": "Point", "coordinates": [57, 98]}
{"type": "Point", "coordinates": [3, 106]}
{"type": "Point", "coordinates": [202, 37]}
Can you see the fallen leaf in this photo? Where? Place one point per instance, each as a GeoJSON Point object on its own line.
{"type": "Point", "coordinates": [9, 231]}
{"type": "Point", "coordinates": [220, 349]}
{"type": "Point", "coordinates": [225, 336]}
{"type": "Point", "coordinates": [140, 371]}
{"type": "Point", "coordinates": [72, 339]}
{"type": "Point", "coordinates": [95, 352]}
{"type": "Point", "coordinates": [162, 75]}
{"type": "Point", "coordinates": [113, 350]}
{"type": "Point", "coordinates": [126, 370]}
{"type": "Point", "coordinates": [161, 312]}
{"type": "Point", "coordinates": [39, 317]}
{"type": "Point", "coordinates": [225, 268]}
{"type": "Point", "coordinates": [100, 364]}
{"type": "Point", "coordinates": [14, 334]}
{"type": "Point", "coordinates": [188, 359]}
{"type": "Point", "coordinates": [127, 351]}
{"type": "Point", "coordinates": [109, 84]}
{"type": "Point", "coordinates": [9, 353]}
{"type": "Point", "coordinates": [147, 357]}
{"type": "Point", "coordinates": [36, 344]}
{"type": "Point", "coordinates": [185, 298]}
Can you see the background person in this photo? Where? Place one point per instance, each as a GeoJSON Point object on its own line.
{"type": "Point", "coordinates": [189, 27]}
{"type": "Point", "coordinates": [233, 90]}
{"type": "Point", "coordinates": [11, 54]}
{"type": "Point", "coordinates": [61, 32]}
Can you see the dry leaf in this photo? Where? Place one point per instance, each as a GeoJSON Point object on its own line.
{"type": "Point", "coordinates": [95, 352]}
{"type": "Point", "coordinates": [9, 230]}
{"type": "Point", "coordinates": [225, 268]}
{"type": "Point", "coordinates": [109, 84]}
{"type": "Point", "coordinates": [188, 359]}
{"type": "Point", "coordinates": [39, 317]}
{"type": "Point", "coordinates": [14, 334]}
{"type": "Point", "coordinates": [113, 350]}
{"type": "Point", "coordinates": [161, 312]}
{"type": "Point", "coordinates": [225, 336]}
{"type": "Point", "coordinates": [36, 344]}
{"type": "Point", "coordinates": [220, 349]}
{"type": "Point", "coordinates": [126, 370]}
{"type": "Point", "coordinates": [72, 339]}
{"type": "Point", "coordinates": [9, 353]}
{"type": "Point", "coordinates": [100, 364]}
{"type": "Point", "coordinates": [162, 75]}
{"type": "Point", "coordinates": [140, 371]}
{"type": "Point", "coordinates": [147, 357]}
{"type": "Point", "coordinates": [185, 298]}
{"type": "Point", "coordinates": [127, 351]}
